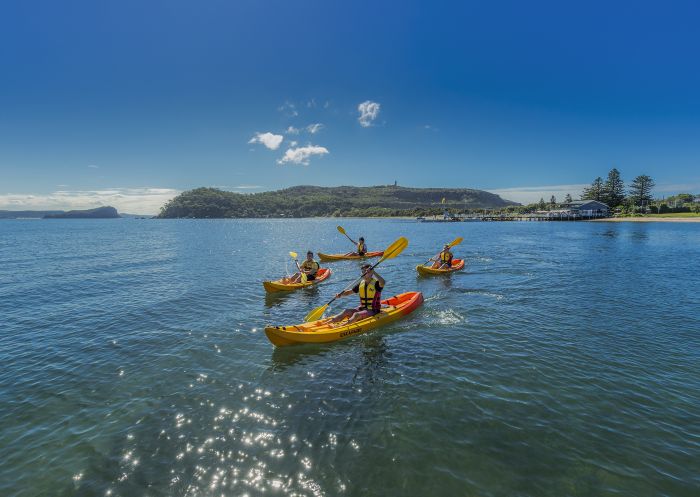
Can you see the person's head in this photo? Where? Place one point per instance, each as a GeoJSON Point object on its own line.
{"type": "Point", "coordinates": [309, 256]}
{"type": "Point", "coordinates": [362, 240]}
{"type": "Point", "coordinates": [367, 272]}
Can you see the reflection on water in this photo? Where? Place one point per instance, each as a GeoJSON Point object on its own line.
{"type": "Point", "coordinates": [545, 370]}
{"type": "Point", "coordinates": [375, 354]}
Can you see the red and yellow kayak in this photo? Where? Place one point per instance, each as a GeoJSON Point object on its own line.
{"type": "Point", "coordinates": [457, 264]}
{"type": "Point", "coordinates": [341, 257]}
{"type": "Point", "coordinates": [321, 332]}
{"type": "Point", "coordinates": [279, 286]}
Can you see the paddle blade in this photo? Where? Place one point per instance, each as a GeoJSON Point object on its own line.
{"type": "Point", "coordinates": [316, 314]}
{"type": "Point", "coordinates": [394, 249]}
{"type": "Point", "coordinates": [293, 255]}
{"type": "Point", "coordinates": [456, 241]}
{"type": "Point", "coordinates": [342, 230]}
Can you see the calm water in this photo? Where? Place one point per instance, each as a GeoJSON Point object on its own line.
{"type": "Point", "coordinates": [563, 361]}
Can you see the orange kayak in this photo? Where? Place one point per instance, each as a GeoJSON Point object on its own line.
{"type": "Point", "coordinates": [457, 264]}
{"type": "Point", "coordinates": [341, 257]}
{"type": "Point", "coordinates": [279, 286]}
{"type": "Point", "coordinates": [321, 332]}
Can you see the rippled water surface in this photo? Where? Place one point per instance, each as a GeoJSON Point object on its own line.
{"type": "Point", "coordinates": [562, 361]}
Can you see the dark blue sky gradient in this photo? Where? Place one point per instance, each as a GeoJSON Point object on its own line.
{"type": "Point", "coordinates": [167, 94]}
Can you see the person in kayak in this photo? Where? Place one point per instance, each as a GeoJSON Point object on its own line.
{"type": "Point", "coordinates": [361, 247]}
{"type": "Point", "coordinates": [309, 267]}
{"type": "Point", "coordinates": [444, 258]}
{"type": "Point", "coordinates": [370, 292]}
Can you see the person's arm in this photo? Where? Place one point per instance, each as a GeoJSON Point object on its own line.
{"type": "Point", "coordinates": [379, 278]}
{"type": "Point", "coordinates": [344, 294]}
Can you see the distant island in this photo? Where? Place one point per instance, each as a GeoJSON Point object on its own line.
{"type": "Point", "coordinates": [318, 201]}
{"type": "Point", "coordinates": [98, 213]}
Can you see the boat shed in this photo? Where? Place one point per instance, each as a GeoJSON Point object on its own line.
{"type": "Point", "coordinates": [588, 208]}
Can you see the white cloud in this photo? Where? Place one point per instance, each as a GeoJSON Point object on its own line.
{"type": "Point", "coordinates": [288, 109]}
{"type": "Point", "coordinates": [314, 128]}
{"type": "Point", "coordinates": [302, 155]}
{"type": "Point", "coordinates": [128, 200]}
{"type": "Point", "coordinates": [93, 166]}
{"type": "Point", "coordinates": [531, 194]}
{"type": "Point", "coordinates": [292, 130]}
{"type": "Point", "coordinates": [311, 104]}
{"type": "Point", "coordinates": [247, 187]}
{"type": "Point", "coordinates": [293, 143]}
{"type": "Point", "coordinates": [369, 111]}
{"type": "Point", "coordinates": [268, 139]}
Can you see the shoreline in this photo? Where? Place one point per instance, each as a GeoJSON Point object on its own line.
{"type": "Point", "coordinates": [639, 219]}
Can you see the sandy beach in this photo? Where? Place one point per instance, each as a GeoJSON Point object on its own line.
{"type": "Point", "coordinates": [648, 220]}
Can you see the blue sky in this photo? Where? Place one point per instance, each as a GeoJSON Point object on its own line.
{"type": "Point", "coordinates": [127, 103]}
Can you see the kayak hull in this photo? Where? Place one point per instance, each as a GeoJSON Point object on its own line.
{"type": "Point", "coordinates": [457, 264]}
{"type": "Point", "coordinates": [319, 331]}
{"type": "Point", "coordinates": [341, 257]}
{"type": "Point", "coordinates": [278, 286]}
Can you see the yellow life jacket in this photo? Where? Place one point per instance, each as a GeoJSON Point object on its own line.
{"type": "Point", "coordinates": [445, 256]}
{"type": "Point", "coordinates": [370, 298]}
{"type": "Point", "coordinates": [310, 265]}
{"type": "Point", "coordinates": [361, 248]}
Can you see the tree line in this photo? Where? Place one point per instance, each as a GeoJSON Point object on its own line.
{"type": "Point", "coordinates": [613, 193]}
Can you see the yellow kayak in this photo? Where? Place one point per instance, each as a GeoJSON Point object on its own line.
{"type": "Point", "coordinates": [279, 286]}
{"type": "Point", "coordinates": [321, 332]}
{"type": "Point", "coordinates": [341, 257]}
{"type": "Point", "coordinates": [457, 264]}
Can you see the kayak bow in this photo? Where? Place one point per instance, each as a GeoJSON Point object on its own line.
{"type": "Point", "coordinates": [278, 286]}
{"type": "Point", "coordinates": [321, 332]}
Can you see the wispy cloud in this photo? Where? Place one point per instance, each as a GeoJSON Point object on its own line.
{"type": "Point", "coordinates": [675, 188]}
{"type": "Point", "coordinates": [93, 166]}
{"type": "Point", "coordinates": [288, 109]}
{"type": "Point", "coordinates": [130, 200]}
{"type": "Point", "coordinates": [530, 194]}
{"type": "Point", "coordinates": [268, 139]}
{"type": "Point", "coordinates": [302, 155]}
{"type": "Point", "coordinates": [291, 130]}
{"type": "Point", "coordinates": [314, 128]}
{"type": "Point", "coordinates": [369, 111]}
{"type": "Point", "coordinates": [247, 187]}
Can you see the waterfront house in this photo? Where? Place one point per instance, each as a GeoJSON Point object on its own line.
{"type": "Point", "coordinates": [588, 208]}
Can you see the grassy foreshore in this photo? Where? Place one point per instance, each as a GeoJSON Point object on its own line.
{"type": "Point", "coordinates": [678, 217]}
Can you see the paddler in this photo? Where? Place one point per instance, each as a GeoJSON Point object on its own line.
{"type": "Point", "coordinates": [361, 247]}
{"type": "Point", "coordinates": [309, 267]}
{"type": "Point", "coordinates": [370, 292]}
{"type": "Point", "coordinates": [444, 258]}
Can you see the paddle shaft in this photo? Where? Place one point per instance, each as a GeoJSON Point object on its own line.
{"type": "Point", "coordinates": [355, 282]}
{"type": "Point", "coordinates": [454, 243]}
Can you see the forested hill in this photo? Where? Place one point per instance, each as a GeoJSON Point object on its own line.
{"type": "Point", "coordinates": [312, 201]}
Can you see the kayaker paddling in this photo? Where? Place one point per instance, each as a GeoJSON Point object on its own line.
{"type": "Point", "coordinates": [360, 247]}
{"type": "Point", "coordinates": [309, 268]}
{"type": "Point", "coordinates": [444, 259]}
{"type": "Point", "coordinates": [370, 292]}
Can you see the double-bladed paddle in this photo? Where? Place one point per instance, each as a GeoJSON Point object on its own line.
{"type": "Point", "coordinates": [453, 243]}
{"type": "Point", "coordinates": [389, 253]}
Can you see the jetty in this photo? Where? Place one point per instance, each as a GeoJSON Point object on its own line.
{"type": "Point", "coordinates": [578, 210]}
